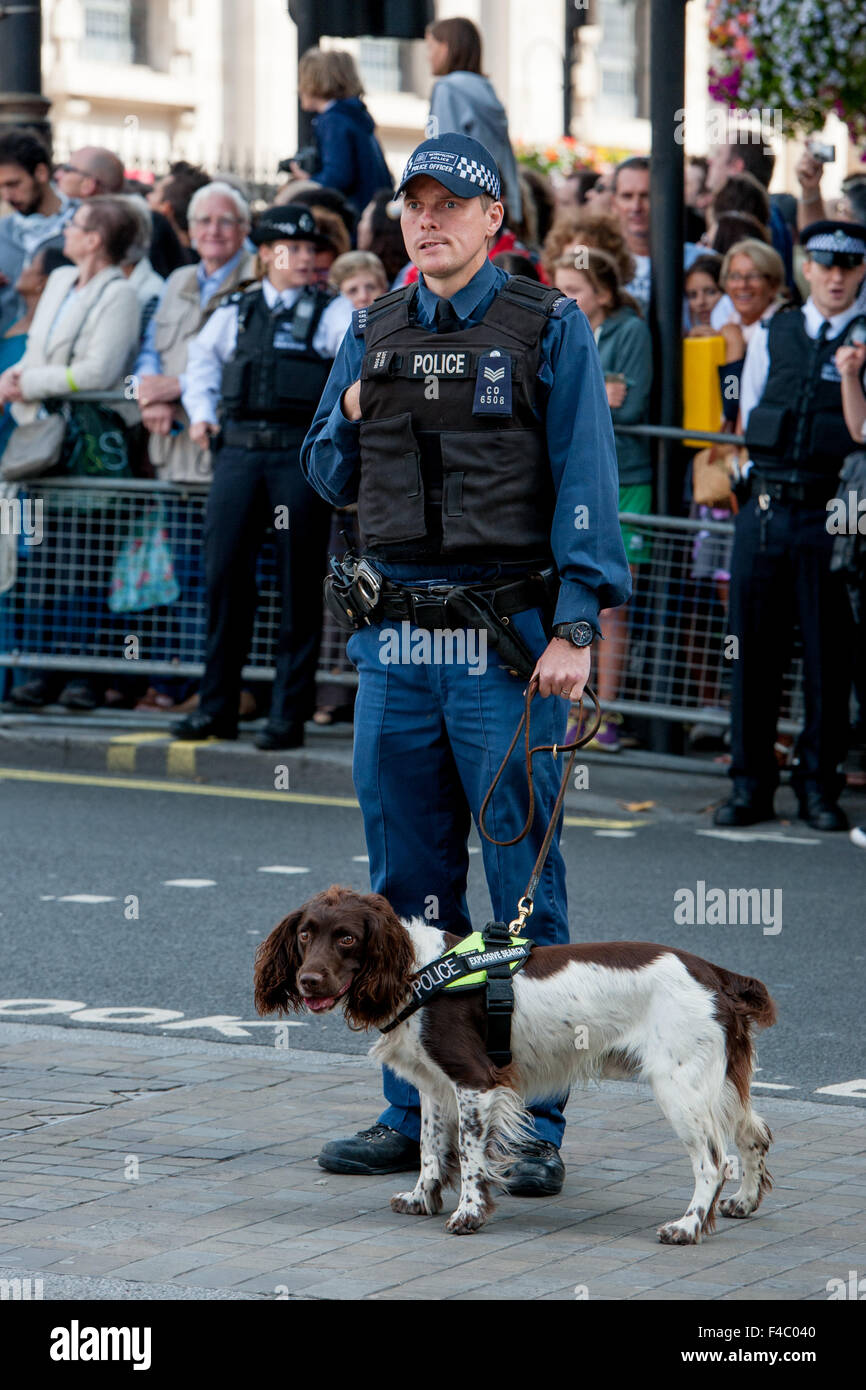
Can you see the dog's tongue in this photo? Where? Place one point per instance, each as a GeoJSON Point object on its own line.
{"type": "Point", "coordinates": [317, 1005]}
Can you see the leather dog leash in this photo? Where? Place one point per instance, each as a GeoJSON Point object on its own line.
{"type": "Point", "coordinates": [526, 903]}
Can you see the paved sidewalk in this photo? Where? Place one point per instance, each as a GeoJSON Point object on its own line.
{"type": "Point", "coordinates": [148, 1168]}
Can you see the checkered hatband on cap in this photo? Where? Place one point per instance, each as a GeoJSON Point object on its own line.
{"type": "Point", "coordinates": [836, 241]}
{"type": "Point", "coordinates": [478, 173]}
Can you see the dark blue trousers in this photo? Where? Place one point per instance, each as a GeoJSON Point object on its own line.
{"type": "Point", "coordinates": [429, 737]}
{"type": "Point", "coordinates": [248, 485]}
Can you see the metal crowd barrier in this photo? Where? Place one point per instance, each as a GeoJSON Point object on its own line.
{"type": "Point", "coordinates": [55, 616]}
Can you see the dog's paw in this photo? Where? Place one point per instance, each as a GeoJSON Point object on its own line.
{"type": "Point", "coordinates": [410, 1204]}
{"type": "Point", "coordinates": [675, 1233]}
{"type": "Point", "coordinates": [736, 1207]}
{"type": "Point", "coordinates": [466, 1220]}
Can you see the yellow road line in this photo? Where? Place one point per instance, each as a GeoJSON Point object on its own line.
{"type": "Point", "coordinates": [123, 748]}
{"type": "Point", "coordinates": [180, 757]}
{"type": "Point", "coordinates": [142, 784]}
{"type": "Point", "coordinates": [144, 736]}
{"type": "Point", "coordinates": [247, 794]}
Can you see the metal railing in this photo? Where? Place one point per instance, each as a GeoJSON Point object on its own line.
{"type": "Point", "coordinates": [55, 615]}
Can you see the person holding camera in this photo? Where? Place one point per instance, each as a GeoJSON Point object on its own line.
{"type": "Point", "coordinates": [466, 414]}
{"type": "Point", "coordinates": [346, 155]}
{"type": "Point", "coordinates": [791, 405]}
{"type": "Point", "coordinates": [265, 354]}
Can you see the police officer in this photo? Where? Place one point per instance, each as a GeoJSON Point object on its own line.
{"type": "Point", "coordinates": [266, 352]}
{"type": "Point", "coordinates": [467, 416]}
{"type": "Point", "coordinates": [791, 405]}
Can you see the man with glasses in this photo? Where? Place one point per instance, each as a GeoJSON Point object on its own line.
{"type": "Point", "coordinates": [791, 408]}
{"type": "Point", "coordinates": [219, 220]}
{"type": "Point", "coordinates": [89, 172]}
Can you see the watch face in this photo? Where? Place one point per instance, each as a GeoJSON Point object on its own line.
{"type": "Point", "coordinates": [581, 634]}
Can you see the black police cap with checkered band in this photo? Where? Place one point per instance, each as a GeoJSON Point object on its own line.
{"type": "Point", "coordinates": [462, 165]}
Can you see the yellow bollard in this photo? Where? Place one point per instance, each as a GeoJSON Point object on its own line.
{"type": "Point", "coordinates": [702, 394]}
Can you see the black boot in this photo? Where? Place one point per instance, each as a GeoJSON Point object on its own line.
{"type": "Point", "coordinates": [747, 806]}
{"type": "Point", "coordinates": [200, 725]}
{"type": "Point", "coordinates": [371, 1152]}
{"type": "Point", "coordinates": [820, 810]}
{"type": "Point", "coordinates": [538, 1172]}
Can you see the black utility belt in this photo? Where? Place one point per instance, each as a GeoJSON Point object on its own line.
{"type": "Point", "coordinates": [812, 493]}
{"type": "Point", "coordinates": [357, 595]}
{"type": "Point", "coordinates": [429, 607]}
{"type": "Point", "coordinates": [239, 434]}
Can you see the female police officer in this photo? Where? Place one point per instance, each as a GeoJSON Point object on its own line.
{"type": "Point", "coordinates": [266, 353]}
{"type": "Point", "coordinates": [478, 457]}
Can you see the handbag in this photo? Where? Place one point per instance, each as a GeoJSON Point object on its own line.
{"type": "Point", "coordinates": [95, 444]}
{"type": "Point", "coordinates": [713, 474]}
{"type": "Point", "coordinates": [143, 573]}
{"type": "Point", "coordinates": [33, 448]}
{"type": "Point", "coordinates": [36, 447]}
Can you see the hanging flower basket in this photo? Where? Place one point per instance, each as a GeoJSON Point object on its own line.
{"type": "Point", "coordinates": [801, 58]}
{"type": "Point", "coordinates": [568, 156]}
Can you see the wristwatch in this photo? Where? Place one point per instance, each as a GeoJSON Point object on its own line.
{"type": "Point", "coordinates": [578, 634]}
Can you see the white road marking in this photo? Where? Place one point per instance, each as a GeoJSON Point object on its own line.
{"type": "Point", "coordinates": [47, 897]}
{"type": "Point", "coordinates": [772, 1086]}
{"type": "Point", "coordinates": [125, 1014]}
{"type": "Point", "coordinates": [230, 1026]}
{"type": "Point", "coordinates": [844, 1088]}
{"type": "Point", "coordinates": [189, 883]}
{"type": "Point", "coordinates": [616, 834]}
{"type": "Point", "coordinates": [85, 898]}
{"type": "Point", "coordinates": [360, 858]}
{"type": "Point", "coordinates": [775, 837]}
{"type": "Point", "coordinates": [282, 869]}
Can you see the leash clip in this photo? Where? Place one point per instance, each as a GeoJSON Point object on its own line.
{"type": "Point", "coordinates": [524, 911]}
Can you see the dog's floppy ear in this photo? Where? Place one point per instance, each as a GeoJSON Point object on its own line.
{"type": "Point", "coordinates": [277, 961]}
{"type": "Point", "coordinates": [381, 984]}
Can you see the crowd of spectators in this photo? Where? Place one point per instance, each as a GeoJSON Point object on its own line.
{"type": "Point", "coordinates": [159, 259]}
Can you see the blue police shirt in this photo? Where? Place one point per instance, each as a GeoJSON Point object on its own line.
{"type": "Point", "coordinates": [585, 536]}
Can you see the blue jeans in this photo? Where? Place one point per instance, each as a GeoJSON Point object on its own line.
{"type": "Point", "coordinates": [429, 738]}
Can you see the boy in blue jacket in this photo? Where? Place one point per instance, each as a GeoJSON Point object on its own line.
{"type": "Point", "coordinates": [349, 155]}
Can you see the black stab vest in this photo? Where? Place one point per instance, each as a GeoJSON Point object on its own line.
{"type": "Point", "coordinates": [798, 429]}
{"type": "Point", "coordinates": [437, 481]}
{"type": "Point", "coordinates": [272, 376]}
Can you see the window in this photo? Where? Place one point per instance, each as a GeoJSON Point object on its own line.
{"type": "Point", "coordinates": [616, 59]}
{"type": "Point", "coordinates": [115, 31]}
{"type": "Point", "coordinates": [383, 64]}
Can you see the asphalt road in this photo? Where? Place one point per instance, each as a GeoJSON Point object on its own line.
{"type": "Point", "coordinates": [184, 889]}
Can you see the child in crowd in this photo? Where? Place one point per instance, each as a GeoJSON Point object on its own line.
{"type": "Point", "coordinates": [348, 155]}
{"type": "Point", "coordinates": [703, 290]}
{"type": "Point", "coordinates": [360, 277]}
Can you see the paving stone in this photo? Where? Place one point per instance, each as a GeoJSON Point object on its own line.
{"type": "Point", "coordinates": [230, 1202]}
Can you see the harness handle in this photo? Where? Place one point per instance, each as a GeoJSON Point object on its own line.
{"type": "Point", "coordinates": [525, 906]}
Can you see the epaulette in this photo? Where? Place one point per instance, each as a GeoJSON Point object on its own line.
{"type": "Point", "coordinates": [235, 296]}
{"type": "Point", "coordinates": [362, 318]}
{"type": "Point", "coordinates": [529, 294]}
{"type": "Point", "coordinates": [560, 306]}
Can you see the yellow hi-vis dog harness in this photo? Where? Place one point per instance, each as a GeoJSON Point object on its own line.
{"type": "Point", "coordinates": [483, 960]}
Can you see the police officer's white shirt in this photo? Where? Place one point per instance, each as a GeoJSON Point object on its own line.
{"type": "Point", "coordinates": [756, 367]}
{"type": "Point", "coordinates": [213, 346]}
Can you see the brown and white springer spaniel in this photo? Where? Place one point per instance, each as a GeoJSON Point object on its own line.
{"type": "Point", "coordinates": [606, 1009]}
